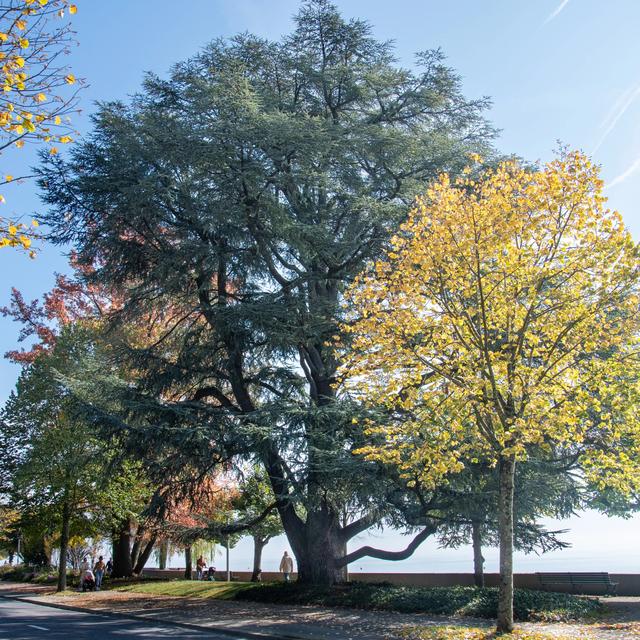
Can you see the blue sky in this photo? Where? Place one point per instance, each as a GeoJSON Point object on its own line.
{"type": "Point", "coordinates": [556, 70]}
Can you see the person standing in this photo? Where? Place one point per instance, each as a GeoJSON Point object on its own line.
{"type": "Point", "coordinates": [98, 572]}
{"type": "Point", "coordinates": [286, 566]}
{"type": "Point", "coordinates": [200, 567]}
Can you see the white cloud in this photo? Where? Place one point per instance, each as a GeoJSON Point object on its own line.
{"type": "Point", "coordinates": [633, 167]}
{"type": "Point", "coordinates": [556, 11]}
{"type": "Point", "coordinates": [616, 112]}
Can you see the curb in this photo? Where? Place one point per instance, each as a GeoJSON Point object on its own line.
{"type": "Point", "coordinates": [233, 633]}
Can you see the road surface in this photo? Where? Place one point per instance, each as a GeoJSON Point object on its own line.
{"type": "Point", "coordinates": [26, 621]}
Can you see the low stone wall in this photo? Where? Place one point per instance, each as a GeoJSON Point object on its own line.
{"type": "Point", "coordinates": [221, 574]}
{"type": "Point", "coordinates": [628, 583]}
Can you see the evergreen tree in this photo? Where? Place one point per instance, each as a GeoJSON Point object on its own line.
{"type": "Point", "coordinates": [543, 488]}
{"type": "Point", "coordinates": [234, 201]}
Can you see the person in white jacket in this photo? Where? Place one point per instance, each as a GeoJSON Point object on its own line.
{"type": "Point", "coordinates": [286, 566]}
{"type": "Point", "coordinates": [84, 567]}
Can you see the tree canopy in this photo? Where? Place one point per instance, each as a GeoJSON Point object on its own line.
{"type": "Point", "coordinates": [234, 201]}
{"type": "Point", "coordinates": [502, 325]}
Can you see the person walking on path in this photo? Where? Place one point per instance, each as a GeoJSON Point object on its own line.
{"type": "Point", "coordinates": [286, 566]}
{"type": "Point", "coordinates": [200, 567]}
{"type": "Point", "coordinates": [98, 572]}
{"type": "Point", "coordinates": [84, 567]}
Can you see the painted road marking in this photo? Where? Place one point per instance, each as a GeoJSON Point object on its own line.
{"type": "Point", "coordinates": [35, 626]}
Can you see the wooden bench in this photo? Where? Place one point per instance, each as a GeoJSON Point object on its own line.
{"type": "Point", "coordinates": [576, 579]}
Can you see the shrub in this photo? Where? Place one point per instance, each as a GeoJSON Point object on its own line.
{"type": "Point", "coordinates": [15, 573]}
{"type": "Point", "coordinates": [463, 601]}
{"type": "Point", "coordinates": [26, 573]}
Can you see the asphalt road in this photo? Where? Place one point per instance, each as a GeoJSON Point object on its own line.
{"type": "Point", "coordinates": [27, 621]}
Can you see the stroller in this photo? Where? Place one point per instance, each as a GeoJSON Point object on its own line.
{"type": "Point", "coordinates": [88, 581]}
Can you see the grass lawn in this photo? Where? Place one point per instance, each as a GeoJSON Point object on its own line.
{"type": "Point", "coordinates": [190, 588]}
{"type": "Point", "coordinates": [451, 601]}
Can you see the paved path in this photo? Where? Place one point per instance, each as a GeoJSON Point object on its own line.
{"type": "Point", "coordinates": [25, 621]}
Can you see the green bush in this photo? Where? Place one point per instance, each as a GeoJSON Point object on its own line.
{"type": "Point", "coordinates": [463, 601]}
{"type": "Point", "coordinates": [5, 569]}
{"type": "Point", "coordinates": [25, 573]}
{"type": "Point", "coordinates": [15, 573]}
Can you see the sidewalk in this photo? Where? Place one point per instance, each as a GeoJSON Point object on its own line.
{"type": "Point", "coordinates": [312, 622]}
{"type": "Point", "coordinates": [278, 621]}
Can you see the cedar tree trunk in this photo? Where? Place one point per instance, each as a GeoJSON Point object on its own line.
{"type": "Point", "coordinates": [319, 547]}
{"type": "Point", "coordinates": [122, 567]}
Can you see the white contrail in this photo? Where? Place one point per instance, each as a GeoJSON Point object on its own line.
{"type": "Point", "coordinates": [557, 10]}
{"type": "Point", "coordinates": [635, 165]}
{"type": "Point", "coordinates": [616, 112]}
{"type": "Point", "coordinates": [622, 98]}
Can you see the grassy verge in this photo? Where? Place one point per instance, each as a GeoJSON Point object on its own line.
{"type": "Point", "coordinates": [458, 601]}
{"type": "Point", "coordinates": [189, 588]}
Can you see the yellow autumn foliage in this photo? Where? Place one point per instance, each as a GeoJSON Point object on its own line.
{"type": "Point", "coordinates": [34, 101]}
{"type": "Point", "coordinates": [504, 317]}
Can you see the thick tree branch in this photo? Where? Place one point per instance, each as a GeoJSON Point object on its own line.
{"type": "Point", "coordinates": [381, 554]}
{"type": "Point", "coordinates": [214, 392]}
{"type": "Point", "coordinates": [216, 530]}
{"type": "Point", "coordinates": [359, 525]}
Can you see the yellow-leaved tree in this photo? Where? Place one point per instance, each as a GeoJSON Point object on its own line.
{"type": "Point", "coordinates": [38, 90]}
{"type": "Point", "coordinates": [502, 324]}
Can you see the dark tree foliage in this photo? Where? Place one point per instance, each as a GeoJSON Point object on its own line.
{"type": "Point", "coordinates": [543, 489]}
{"type": "Point", "coordinates": [232, 202]}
